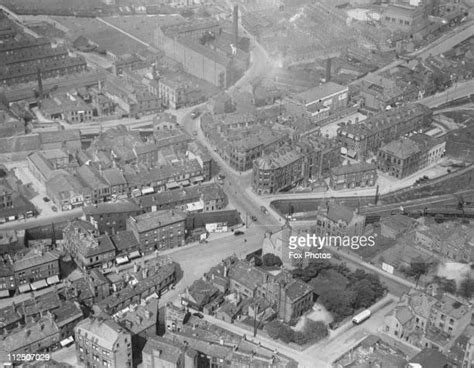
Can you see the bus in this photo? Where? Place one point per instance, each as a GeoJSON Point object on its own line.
{"type": "Point", "coordinates": [361, 317]}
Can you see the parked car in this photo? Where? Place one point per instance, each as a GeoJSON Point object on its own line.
{"type": "Point", "coordinates": [46, 199]}
{"type": "Point", "coordinates": [254, 218]}
{"type": "Point", "coordinates": [238, 232]}
{"type": "Point", "coordinates": [195, 114]}
{"type": "Point", "coordinates": [199, 315]}
{"type": "Point", "coordinates": [54, 208]}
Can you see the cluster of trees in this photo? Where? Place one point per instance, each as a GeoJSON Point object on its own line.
{"type": "Point", "coordinates": [417, 268]}
{"type": "Point", "coordinates": [465, 288]}
{"type": "Point", "coordinates": [268, 260]}
{"type": "Point", "coordinates": [341, 291]}
{"type": "Point", "coordinates": [312, 331]}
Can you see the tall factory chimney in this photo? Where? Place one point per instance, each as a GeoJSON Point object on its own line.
{"type": "Point", "coordinates": [40, 83]}
{"type": "Point", "coordinates": [328, 69]}
{"type": "Point", "coordinates": [236, 25]}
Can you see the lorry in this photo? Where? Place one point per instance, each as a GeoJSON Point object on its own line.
{"type": "Point", "coordinates": [361, 317]}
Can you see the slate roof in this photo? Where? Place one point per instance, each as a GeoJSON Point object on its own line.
{"type": "Point", "coordinates": [30, 334]}
{"type": "Point", "coordinates": [114, 177]}
{"type": "Point", "coordinates": [201, 291]}
{"type": "Point", "coordinates": [106, 332]}
{"type": "Point", "coordinates": [349, 169]}
{"type": "Point", "coordinates": [168, 350]}
{"type": "Point", "coordinates": [401, 148]}
{"type": "Point", "coordinates": [320, 92]}
{"type": "Point", "coordinates": [431, 358]}
{"type": "Point", "coordinates": [124, 240]}
{"type": "Point", "coordinates": [153, 220]}
{"type": "Point", "coordinates": [33, 259]}
{"type": "Point", "coordinates": [298, 289]}
{"type": "Point", "coordinates": [247, 275]}
{"type": "Point", "coordinates": [8, 316]}
{"type": "Point", "coordinates": [338, 212]}
{"type": "Point", "coordinates": [125, 205]}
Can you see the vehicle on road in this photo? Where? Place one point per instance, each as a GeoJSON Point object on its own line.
{"type": "Point", "coordinates": [199, 315]}
{"type": "Point", "coordinates": [361, 317]}
{"type": "Point", "coordinates": [254, 218]}
{"type": "Point", "coordinates": [54, 208]}
{"type": "Point", "coordinates": [195, 114]}
{"type": "Point", "coordinates": [195, 133]}
{"type": "Point", "coordinates": [264, 210]}
{"type": "Point", "coordinates": [238, 232]}
{"type": "Point", "coordinates": [46, 199]}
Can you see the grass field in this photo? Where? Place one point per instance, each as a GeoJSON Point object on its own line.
{"type": "Point", "coordinates": [143, 26]}
{"type": "Point", "coordinates": [102, 34]}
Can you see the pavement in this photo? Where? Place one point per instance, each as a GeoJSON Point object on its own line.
{"type": "Point", "coordinates": [458, 90]}
{"type": "Point", "coordinates": [447, 41]}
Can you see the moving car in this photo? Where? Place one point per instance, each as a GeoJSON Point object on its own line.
{"type": "Point", "coordinates": [199, 315]}
{"type": "Point", "coordinates": [238, 232]}
{"type": "Point", "coordinates": [254, 218]}
{"type": "Point", "coordinates": [195, 114]}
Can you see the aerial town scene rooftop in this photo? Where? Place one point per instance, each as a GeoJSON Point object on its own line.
{"type": "Point", "coordinates": [237, 183]}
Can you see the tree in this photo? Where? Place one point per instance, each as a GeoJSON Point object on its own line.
{"type": "Point", "coordinates": [271, 260]}
{"type": "Point", "coordinates": [445, 284]}
{"type": "Point", "coordinates": [466, 288]}
{"type": "Point", "coordinates": [417, 268]}
{"type": "Point", "coordinates": [286, 334]}
{"type": "Point", "coordinates": [315, 330]}
{"type": "Point", "coordinates": [339, 302]}
{"type": "Point", "coordinates": [313, 269]}
{"type": "Point", "coordinates": [300, 338]}
{"type": "Point", "coordinates": [364, 295]}
{"type": "Point", "coordinates": [273, 329]}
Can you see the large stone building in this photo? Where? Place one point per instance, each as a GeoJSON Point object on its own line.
{"type": "Point", "coordinates": [159, 230]}
{"type": "Point", "coordinates": [321, 154]}
{"type": "Point", "coordinates": [205, 198]}
{"type": "Point", "coordinates": [337, 220]}
{"type": "Point", "coordinates": [111, 217]}
{"type": "Point", "coordinates": [182, 43]}
{"type": "Point", "coordinates": [427, 321]}
{"type": "Point", "coordinates": [86, 247]}
{"type": "Point", "coordinates": [352, 176]}
{"type": "Point", "coordinates": [405, 156]}
{"type": "Point", "coordinates": [279, 170]}
{"type": "Point", "coordinates": [243, 148]}
{"type": "Point", "coordinates": [152, 279]}
{"type": "Point", "coordinates": [450, 240]}
{"type": "Point", "coordinates": [23, 59]}
{"type": "Point", "coordinates": [406, 18]}
{"type": "Point", "coordinates": [292, 297]}
{"type": "Point", "coordinates": [318, 103]}
{"type": "Point", "coordinates": [161, 353]}
{"type": "Point", "coordinates": [366, 137]}
{"type": "Point", "coordinates": [35, 336]}
{"type": "Point", "coordinates": [67, 107]}
{"type": "Point", "coordinates": [103, 343]}
{"type": "Point", "coordinates": [34, 268]}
